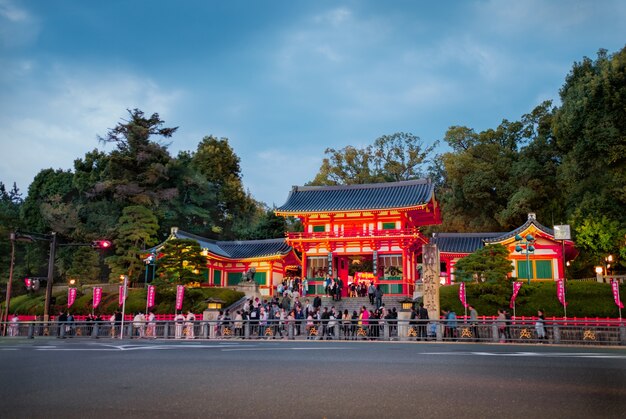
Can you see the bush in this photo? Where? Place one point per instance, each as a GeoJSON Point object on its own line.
{"type": "Point", "coordinates": [585, 299]}
{"type": "Point", "coordinates": [165, 301]}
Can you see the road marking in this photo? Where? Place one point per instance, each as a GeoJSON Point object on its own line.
{"type": "Point", "coordinates": [109, 347]}
{"type": "Point", "coordinates": [282, 349]}
{"type": "Point", "coordinates": [534, 354]}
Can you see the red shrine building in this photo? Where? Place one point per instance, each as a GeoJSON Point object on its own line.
{"type": "Point", "coordinates": [370, 233]}
{"type": "Point", "coordinates": [367, 232]}
{"type": "Point", "coordinates": [266, 262]}
{"type": "Point", "coordinates": [546, 262]}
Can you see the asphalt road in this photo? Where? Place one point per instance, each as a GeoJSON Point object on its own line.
{"type": "Point", "coordinates": [278, 379]}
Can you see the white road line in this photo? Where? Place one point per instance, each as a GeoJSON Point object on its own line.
{"type": "Point", "coordinates": [533, 354]}
{"type": "Point", "coordinates": [282, 349]}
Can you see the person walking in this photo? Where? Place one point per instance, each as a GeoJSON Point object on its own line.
{"type": "Point", "coordinates": [190, 322]}
{"type": "Point", "coordinates": [501, 323]}
{"type": "Point", "coordinates": [14, 325]}
{"type": "Point", "coordinates": [138, 324]}
{"type": "Point", "coordinates": [473, 322]}
{"type": "Point", "coordinates": [422, 315]}
{"type": "Point", "coordinates": [151, 330]}
{"type": "Point", "coordinates": [371, 290]}
{"type": "Point", "coordinates": [179, 321]}
{"type": "Point", "coordinates": [540, 325]}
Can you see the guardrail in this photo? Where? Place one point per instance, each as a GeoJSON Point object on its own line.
{"type": "Point", "coordinates": [487, 331]}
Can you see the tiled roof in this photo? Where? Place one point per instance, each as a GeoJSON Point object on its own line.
{"type": "Point", "coordinates": [461, 242]}
{"type": "Point", "coordinates": [531, 221]}
{"type": "Point", "coordinates": [255, 248]}
{"type": "Point", "coordinates": [405, 194]}
{"type": "Point", "coordinates": [244, 249]}
{"type": "Point", "coordinates": [470, 242]}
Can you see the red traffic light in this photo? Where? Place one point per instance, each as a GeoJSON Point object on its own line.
{"type": "Point", "coordinates": [101, 244]}
{"type": "Point", "coordinates": [27, 282]}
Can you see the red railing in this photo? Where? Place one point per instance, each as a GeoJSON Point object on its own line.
{"type": "Point", "coordinates": [352, 233]}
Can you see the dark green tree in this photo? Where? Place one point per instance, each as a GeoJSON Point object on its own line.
{"type": "Point", "coordinates": [137, 170]}
{"type": "Point", "coordinates": [488, 264]}
{"type": "Point", "coordinates": [218, 163]}
{"type": "Point", "coordinates": [137, 230]}
{"type": "Point", "coordinates": [180, 262]}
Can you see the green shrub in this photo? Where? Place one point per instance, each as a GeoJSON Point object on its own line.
{"type": "Point", "coordinates": [165, 301]}
{"type": "Point", "coordinates": [585, 299]}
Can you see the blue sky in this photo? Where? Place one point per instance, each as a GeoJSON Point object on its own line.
{"type": "Point", "coordinates": [282, 80]}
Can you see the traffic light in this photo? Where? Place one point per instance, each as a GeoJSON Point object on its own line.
{"type": "Point", "coordinates": [100, 244]}
{"type": "Point", "coordinates": [35, 284]}
{"type": "Point", "coordinates": [28, 282]}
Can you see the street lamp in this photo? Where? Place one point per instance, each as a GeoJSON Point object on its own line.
{"type": "Point", "coordinates": [607, 264]}
{"type": "Point", "coordinates": [149, 261]}
{"type": "Point", "coordinates": [525, 246]}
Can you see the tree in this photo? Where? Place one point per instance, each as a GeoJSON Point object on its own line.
{"type": "Point", "coordinates": [137, 171]}
{"type": "Point", "coordinates": [599, 236]}
{"type": "Point", "coordinates": [401, 156]}
{"type": "Point", "coordinates": [218, 163]}
{"type": "Point", "coordinates": [395, 157]}
{"type": "Point", "coordinates": [85, 265]}
{"type": "Point", "coordinates": [137, 229]}
{"type": "Point", "coordinates": [347, 166]}
{"type": "Point", "coordinates": [267, 225]}
{"type": "Point", "coordinates": [10, 203]}
{"type": "Point", "coordinates": [180, 262]}
{"type": "Point", "coordinates": [488, 264]}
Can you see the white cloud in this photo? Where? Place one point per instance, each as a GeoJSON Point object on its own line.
{"type": "Point", "coordinates": [335, 17]}
{"type": "Point", "coordinates": [544, 17]}
{"type": "Point", "coordinates": [10, 11]}
{"type": "Point", "coordinates": [56, 121]}
{"type": "Point", "coordinates": [17, 26]}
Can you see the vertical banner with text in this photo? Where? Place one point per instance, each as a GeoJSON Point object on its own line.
{"type": "Point", "coordinates": [615, 288]}
{"type": "Point", "coordinates": [560, 292]}
{"type": "Point", "coordinates": [151, 295]}
{"type": "Point", "coordinates": [97, 296]}
{"type": "Point", "coordinates": [516, 287]}
{"type": "Point", "coordinates": [180, 294]}
{"type": "Point", "coordinates": [122, 295]}
{"type": "Point", "coordinates": [462, 294]}
{"type": "Point", "coordinates": [71, 296]}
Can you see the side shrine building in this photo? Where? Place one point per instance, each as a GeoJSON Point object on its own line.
{"type": "Point", "coordinates": [371, 233]}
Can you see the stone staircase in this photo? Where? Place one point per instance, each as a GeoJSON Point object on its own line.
{"type": "Point", "coordinates": [355, 303]}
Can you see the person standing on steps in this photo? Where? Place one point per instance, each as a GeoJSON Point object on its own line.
{"type": "Point", "coordinates": [378, 294]}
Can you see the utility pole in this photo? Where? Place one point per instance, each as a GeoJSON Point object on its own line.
{"type": "Point", "coordinates": [9, 284]}
{"type": "Point", "coordinates": [53, 247]}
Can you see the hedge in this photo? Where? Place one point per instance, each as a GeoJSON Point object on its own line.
{"type": "Point", "coordinates": [585, 299]}
{"type": "Point", "coordinates": [165, 301]}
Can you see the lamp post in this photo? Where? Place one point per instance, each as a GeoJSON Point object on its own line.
{"type": "Point", "coordinates": [525, 245]}
{"type": "Point", "coordinates": [149, 261]}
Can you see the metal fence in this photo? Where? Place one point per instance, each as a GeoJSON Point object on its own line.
{"type": "Point", "coordinates": [606, 332]}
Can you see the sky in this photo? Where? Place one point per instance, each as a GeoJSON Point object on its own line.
{"type": "Point", "coordinates": [282, 80]}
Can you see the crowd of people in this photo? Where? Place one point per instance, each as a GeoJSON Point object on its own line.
{"type": "Point", "coordinates": [281, 317]}
{"type": "Point", "coordinates": [333, 287]}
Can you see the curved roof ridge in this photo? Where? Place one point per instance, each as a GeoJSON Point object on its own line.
{"type": "Point", "coordinates": [296, 188]}
{"type": "Point", "coordinates": [362, 197]}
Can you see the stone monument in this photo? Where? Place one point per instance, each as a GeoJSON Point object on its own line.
{"type": "Point", "coordinates": [430, 263]}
